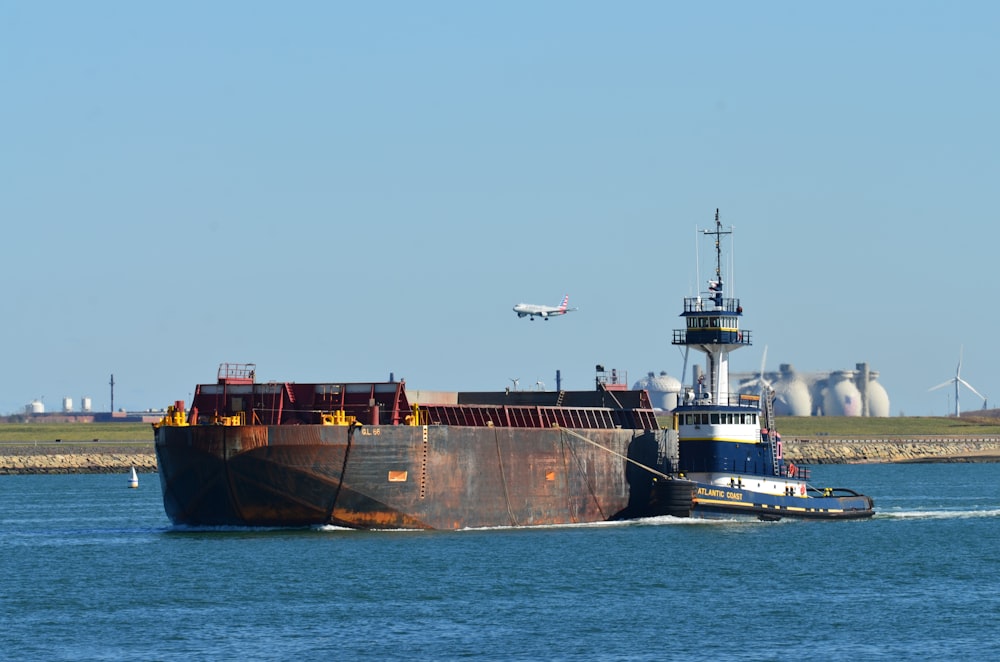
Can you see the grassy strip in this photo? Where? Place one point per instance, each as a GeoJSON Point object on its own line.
{"type": "Point", "coordinates": [75, 432]}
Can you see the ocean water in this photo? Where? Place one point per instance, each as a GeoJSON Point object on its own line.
{"type": "Point", "coordinates": [94, 570]}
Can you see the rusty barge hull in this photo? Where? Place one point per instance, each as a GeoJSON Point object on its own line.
{"type": "Point", "coordinates": [410, 477]}
{"type": "Point", "coordinates": [373, 456]}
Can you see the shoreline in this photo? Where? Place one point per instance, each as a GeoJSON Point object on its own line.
{"type": "Point", "coordinates": [17, 458]}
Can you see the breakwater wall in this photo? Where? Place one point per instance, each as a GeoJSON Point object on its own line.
{"type": "Point", "coordinates": [827, 450]}
{"type": "Point", "coordinates": [69, 459]}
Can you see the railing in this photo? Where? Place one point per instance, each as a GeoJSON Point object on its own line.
{"type": "Point", "coordinates": [709, 336]}
{"type": "Point", "coordinates": [689, 397]}
{"type": "Point", "coordinates": [792, 470]}
{"type": "Point", "coordinates": [712, 304]}
{"type": "Point", "coordinates": [237, 373]}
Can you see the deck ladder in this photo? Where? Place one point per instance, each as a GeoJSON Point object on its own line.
{"type": "Point", "coordinates": [772, 435]}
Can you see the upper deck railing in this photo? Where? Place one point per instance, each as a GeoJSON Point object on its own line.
{"type": "Point", "coordinates": [711, 336]}
{"type": "Point", "coordinates": [690, 398]}
{"type": "Point", "coordinates": [712, 304]}
{"type": "Point", "coordinates": [237, 373]}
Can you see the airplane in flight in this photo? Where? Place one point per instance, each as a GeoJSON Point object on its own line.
{"type": "Point", "coordinates": [545, 312]}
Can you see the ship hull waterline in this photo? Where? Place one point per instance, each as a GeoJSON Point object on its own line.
{"type": "Point", "coordinates": [403, 477]}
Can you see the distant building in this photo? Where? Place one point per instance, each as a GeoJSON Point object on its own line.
{"type": "Point", "coordinates": [836, 393]}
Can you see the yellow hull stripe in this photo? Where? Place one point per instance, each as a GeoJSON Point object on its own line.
{"type": "Point", "coordinates": [783, 509]}
{"type": "Point", "coordinates": [723, 502]}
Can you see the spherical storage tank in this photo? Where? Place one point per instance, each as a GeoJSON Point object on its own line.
{"type": "Point", "coordinates": [791, 394]}
{"type": "Point", "coordinates": [878, 398]}
{"type": "Point", "coordinates": [663, 390]}
{"type": "Point", "coordinates": [841, 397]}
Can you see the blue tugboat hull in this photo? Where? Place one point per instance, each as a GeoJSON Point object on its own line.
{"type": "Point", "coordinates": [687, 498]}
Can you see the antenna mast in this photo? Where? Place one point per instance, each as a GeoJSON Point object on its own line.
{"type": "Point", "coordinates": [716, 285]}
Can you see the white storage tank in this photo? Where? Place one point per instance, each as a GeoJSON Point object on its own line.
{"type": "Point", "coordinates": [876, 400]}
{"type": "Point", "coordinates": [663, 390]}
{"type": "Point", "coordinates": [878, 397]}
{"type": "Point", "coordinates": [791, 393]}
{"type": "Point", "coordinates": [36, 407]}
{"type": "Point", "coordinates": [841, 397]}
{"type": "Point", "coordinates": [85, 404]}
{"type": "Point", "coordinates": [67, 405]}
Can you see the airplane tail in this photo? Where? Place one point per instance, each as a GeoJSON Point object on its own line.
{"type": "Point", "coordinates": [565, 302]}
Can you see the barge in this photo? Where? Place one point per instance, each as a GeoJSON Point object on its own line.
{"type": "Point", "coordinates": [377, 456]}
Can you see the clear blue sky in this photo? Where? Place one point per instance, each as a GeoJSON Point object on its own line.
{"type": "Point", "coordinates": [337, 191]}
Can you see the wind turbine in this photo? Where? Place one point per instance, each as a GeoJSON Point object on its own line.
{"type": "Point", "coordinates": [685, 368]}
{"type": "Point", "coordinates": [958, 381]}
{"type": "Point", "coordinates": [760, 380]}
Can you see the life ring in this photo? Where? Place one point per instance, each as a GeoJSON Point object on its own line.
{"type": "Point", "coordinates": [802, 490]}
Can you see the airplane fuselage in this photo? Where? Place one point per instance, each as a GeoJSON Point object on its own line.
{"type": "Point", "coordinates": [532, 310]}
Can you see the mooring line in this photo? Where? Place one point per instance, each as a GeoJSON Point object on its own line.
{"type": "Point", "coordinates": [583, 471]}
{"type": "Point", "coordinates": [503, 478]}
{"type": "Point", "coordinates": [343, 470]}
{"type": "Point", "coordinates": [627, 459]}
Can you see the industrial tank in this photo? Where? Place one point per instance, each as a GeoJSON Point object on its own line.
{"type": "Point", "coordinates": [663, 390]}
{"type": "Point", "coordinates": [818, 393]}
{"type": "Point", "coordinates": [791, 393]}
{"type": "Point", "coordinates": [878, 398]}
{"type": "Point", "coordinates": [67, 405]}
{"type": "Point", "coordinates": [85, 404]}
{"type": "Point", "coordinates": [840, 396]}
{"type": "Point", "coordinates": [36, 407]}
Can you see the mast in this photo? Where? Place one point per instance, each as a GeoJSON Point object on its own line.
{"type": "Point", "coordinates": [713, 327]}
{"type": "Point", "coordinates": [716, 285]}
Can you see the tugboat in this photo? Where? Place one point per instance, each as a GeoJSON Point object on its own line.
{"type": "Point", "coordinates": [729, 454]}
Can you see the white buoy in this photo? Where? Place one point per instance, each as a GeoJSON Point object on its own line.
{"type": "Point", "coordinates": [133, 481]}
